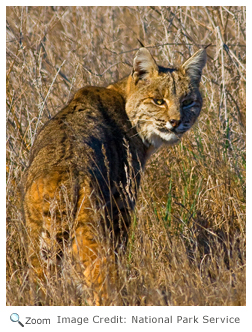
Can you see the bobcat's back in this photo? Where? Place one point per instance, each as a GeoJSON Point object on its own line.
{"type": "Point", "coordinates": [93, 125]}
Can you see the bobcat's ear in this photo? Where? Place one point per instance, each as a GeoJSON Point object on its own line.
{"type": "Point", "coordinates": [194, 65]}
{"type": "Point", "coordinates": [144, 66]}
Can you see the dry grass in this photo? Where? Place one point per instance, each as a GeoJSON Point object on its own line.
{"type": "Point", "coordinates": [187, 242]}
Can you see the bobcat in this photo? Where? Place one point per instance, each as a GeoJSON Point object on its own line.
{"type": "Point", "coordinates": [85, 167]}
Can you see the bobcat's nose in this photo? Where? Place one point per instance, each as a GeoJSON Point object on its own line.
{"type": "Point", "coordinates": [175, 123]}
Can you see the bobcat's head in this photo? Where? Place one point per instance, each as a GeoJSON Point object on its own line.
{"type": "Point", "coordinates": [163, 103]}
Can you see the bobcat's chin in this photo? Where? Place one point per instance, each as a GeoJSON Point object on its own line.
{"type": "Point", "coordinates": [157, 138]}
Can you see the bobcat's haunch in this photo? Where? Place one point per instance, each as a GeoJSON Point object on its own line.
{"type": "Point", "coordinates": [85, 164]}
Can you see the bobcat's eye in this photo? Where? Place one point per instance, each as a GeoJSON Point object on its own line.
{"type": "Point", "coordinates": [159, 101]}
{"type": "Point", "coordinates": [187, 103]}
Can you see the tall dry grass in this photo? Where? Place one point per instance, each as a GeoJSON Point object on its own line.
{"type": "Point", "coordinates": [187, 240]}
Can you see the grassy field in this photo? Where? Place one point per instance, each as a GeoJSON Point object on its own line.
{"type": "Point", "coordinates": [187, 242]}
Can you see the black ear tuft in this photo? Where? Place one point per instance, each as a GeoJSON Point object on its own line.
{"type": "Point", "coordinates": [142, 45]}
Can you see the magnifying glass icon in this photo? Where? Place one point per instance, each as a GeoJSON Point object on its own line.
{"type": "Point", "coordinates": [15, 318]}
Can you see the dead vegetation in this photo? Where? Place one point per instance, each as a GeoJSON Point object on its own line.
{"type": "Point", "coordinates": [187, 241]}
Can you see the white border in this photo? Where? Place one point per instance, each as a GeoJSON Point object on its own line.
{"type": "Point", "coordinates": [244, 313]}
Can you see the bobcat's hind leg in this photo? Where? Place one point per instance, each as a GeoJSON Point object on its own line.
{"type": "Point", "coordinates": [94, 258]}
{"type": "Point", "coordinates": [46, 233]}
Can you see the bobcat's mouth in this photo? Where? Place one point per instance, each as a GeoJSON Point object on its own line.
{"type": "Point", "coordinates": [161, 132]}
{"type": "Point", "coordinates": [164, 132]}
{"type": "Point", "coordinates": [166, 127]}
